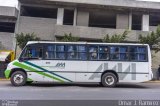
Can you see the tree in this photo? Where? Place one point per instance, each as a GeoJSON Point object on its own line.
{"type": "Point", "coordinates": [116, 38]}
{"type": "Point", "coordinates": [22, 39]}
{"type": "Point", "coordinates": [69, 38]}
{"type": "Point", "coordinates": [152, 39]}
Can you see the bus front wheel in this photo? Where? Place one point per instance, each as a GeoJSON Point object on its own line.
{"type": "Point", "coordinates": [109, 80]}
{"type": "Point", "coordinates": [18, 78]}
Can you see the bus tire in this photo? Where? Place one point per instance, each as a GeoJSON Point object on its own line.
{"type": "Point", "coordinates": [109, 80]}
{"type": "Point", "coordinates": [18, 78]}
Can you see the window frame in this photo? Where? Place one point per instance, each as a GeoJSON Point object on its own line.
{"type": "Point", "coordinates": [45, 50]}
{"type": "Point", "coordinates": [119, 53]}
{"type": "Point", "coordinates": [77, 52]}
{"type": "Point", "coordinates": [66, 52]}
{"type": "Point", "coordinates": [146, 53]}
{"type": "Point", "coordinates": [109, 48]}
{"type": "Point", "coordinates": [87, 53]}
{"type": "Point", "coordinates": [30, 46]}
{"type": "Point", "coordinates": [60, 51]}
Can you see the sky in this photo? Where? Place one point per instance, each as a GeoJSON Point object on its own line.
{"type": "Point", "coordinates": [14, 3]}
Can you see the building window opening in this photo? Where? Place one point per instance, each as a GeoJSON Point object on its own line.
{"type": "Point", "coordinates": [7, 27]}
{"type": "Point", "coordinates": [68, 17]}
{"type": "Point", "coordinates": [39, 12]}
{"type": "Point", "coordinates": [102, 19]}
{"type": "Point", "coordinates": [154, 19]}
{"type": "Point", "coordinates": [136, 22]}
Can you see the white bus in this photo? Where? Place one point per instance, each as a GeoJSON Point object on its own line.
{"type": "Point", "coordinates": [67, 62]}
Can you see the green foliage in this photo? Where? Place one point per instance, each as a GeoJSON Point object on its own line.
{"type": "Point", "coordinates": [152, 39]}
{"type": "Point", "coordinates": [116, 38]}
{"type": "Point", "coordinates": [22, 39]}
{"type": "Point", "coordinates": [69, 38]}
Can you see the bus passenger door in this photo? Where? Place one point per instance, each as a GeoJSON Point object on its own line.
{"type": "Point", "coordinates": [31, 58]}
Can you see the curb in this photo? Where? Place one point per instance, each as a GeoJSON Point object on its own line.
{"type": "Point", "coordinates": [156, 81]}
{"type": "Point", "coordinates": [3, 79]}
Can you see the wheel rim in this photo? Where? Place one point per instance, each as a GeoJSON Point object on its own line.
{"type": "Point", "coordinates": [109, 80]}
{"type": "Point", "coordinates": [18, 78]}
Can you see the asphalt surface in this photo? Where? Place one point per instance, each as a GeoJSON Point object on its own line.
{"type": "Point", "coordinates": [50, 91]}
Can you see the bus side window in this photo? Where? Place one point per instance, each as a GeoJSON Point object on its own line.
{"type": "Point", "coordinates": [142, 53]}
{"type": "Point", "coordinates": [133, 55]}
{"type": "Point", "coordinates": [124, 53]}
{"type": "Point", "coordinates": [138, 53]}
{"type": "Point", "coordinates": [114, 51]}
{"type": "Point", "coordinates": [72, 52]}
{"type": "Point", "coordinates": [76, 52]}
{"type": "Point", "coordinates": [50, 52]}
{"type": "Point", "coordinates": [93, 52]}
{"type": "Point", "coordinates": [103, 53]}
{"type": "Point", "coordinates": [82, 52]}
{"type": "Point", "coordinates": [60, 51]}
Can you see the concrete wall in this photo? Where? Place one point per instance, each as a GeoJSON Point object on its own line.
{"type": "Point", "coordinates": [152, 28]}
{"type": "Point", "coordinates": [155, 73]}
{"type": "Point", "coordinates": [122, 21]}
{"type": "Point", "coordinates": [8, 11]}
{"type": "Point", "coordinates": [94, 33]}
{"type": "Point", "coordinates": [82, 18]}
{"type": "Point", "coordinates": [42, 27]}
{"type": "Point", "coordinates": [46, 29]}
{"type": "Point", "coordinates": [120, 3]}
{"type": "Point", "coordinates": [7, 14]}
{"type": "Point", "coordinates": [155, 59]}
{"type": "Point", "coordinates": [6, 40]}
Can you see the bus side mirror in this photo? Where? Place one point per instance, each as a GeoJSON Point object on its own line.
{"type": "Point", "coordinates": [21, 59]}
{"type": "Point", "coordinates": [7, 60]}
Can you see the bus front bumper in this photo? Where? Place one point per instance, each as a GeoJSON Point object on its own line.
{"type": "Point", "coordinates": [7, 73]}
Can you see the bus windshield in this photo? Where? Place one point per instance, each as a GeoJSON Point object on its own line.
{"type": "Point", "coordinates": [32, 52]}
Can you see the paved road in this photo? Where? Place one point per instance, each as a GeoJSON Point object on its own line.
{"type": "Point", "coordinates": [146, 91]}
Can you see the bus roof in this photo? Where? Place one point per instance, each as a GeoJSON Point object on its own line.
{"type": "Point", "coordinates": [34, 42]}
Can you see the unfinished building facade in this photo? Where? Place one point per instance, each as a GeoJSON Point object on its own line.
{"type": "Point", "coordinates": [90, 20]}
{"type": "Point", "coordinates": [8, 18]}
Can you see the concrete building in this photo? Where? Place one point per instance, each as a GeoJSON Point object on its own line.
{"type": "Point", "coordinates": [88, 19]}
{"type": "Point", "coordinates": [8, 18]}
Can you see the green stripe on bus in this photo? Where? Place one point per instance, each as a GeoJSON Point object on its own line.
{"type": "Point", "coordinates": [7, 73]}
{"type": "Point", "coordinates": [47, 71]}
{"type": "Point", "coordinates": [29, 79]}
{"type": "Point", "coordinates": [36, 71]}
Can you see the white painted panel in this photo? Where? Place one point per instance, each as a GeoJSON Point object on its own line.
{"type": "Point", "coordinates": [87, 77]}
{"type": "Point", "coordinates": [34, 76]}
{"type": "Point", "coordinates": [69, 76]}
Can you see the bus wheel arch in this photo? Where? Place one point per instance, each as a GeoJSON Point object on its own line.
{"type": "Point", "coordinates": [17, 69]}
{"type": "Point", "coordinates": [110, 75]}
{"type": "Point", "coordinates": [18, 77]}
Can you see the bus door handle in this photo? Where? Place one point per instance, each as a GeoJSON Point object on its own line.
{"type": "Point", "coordinates": [47, 62]}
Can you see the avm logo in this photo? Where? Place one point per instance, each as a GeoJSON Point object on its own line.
{"type": "Point", "coordinates": [60, 65]}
